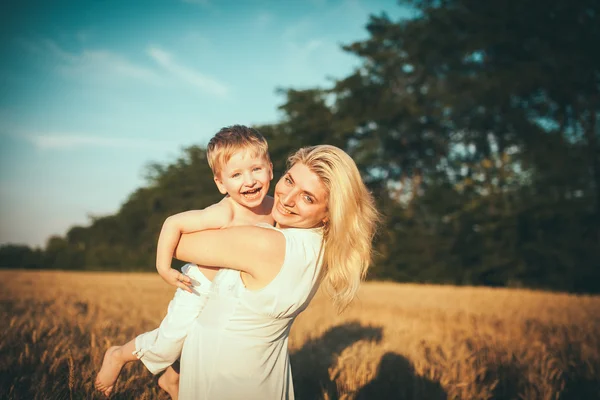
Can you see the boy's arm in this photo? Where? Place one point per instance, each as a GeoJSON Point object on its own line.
{"type": "Point", "coordinates": [212, 217]}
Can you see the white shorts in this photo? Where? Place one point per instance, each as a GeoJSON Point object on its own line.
{"type": "Point", "coordinates": [160, 348]}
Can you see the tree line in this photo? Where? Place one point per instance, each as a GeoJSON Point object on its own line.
{"type": "Point", "coordinates": [475, 124]}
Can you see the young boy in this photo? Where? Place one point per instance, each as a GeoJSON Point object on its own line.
{"type": "Point", "coordinates": [239, 159]}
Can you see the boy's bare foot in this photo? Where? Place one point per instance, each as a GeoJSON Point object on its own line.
{"type": "Point", "coordinates": [169, 382]}
{"type": "Point", "coordinates": [110, 370]}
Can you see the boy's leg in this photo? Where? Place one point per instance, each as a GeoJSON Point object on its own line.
{"type": "Point", "coordinates": [160, 348]}
{"type": "Point", "coordinates": [169, 381]}
{"type": "Point", "coordinates": [114, 360]}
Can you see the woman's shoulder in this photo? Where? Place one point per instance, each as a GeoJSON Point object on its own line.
{"type": "Point", "coordinates": [299, 239]}
{"type": "Point", "coordinates": [305, 242]}
{"type": "Point", "coordinates": [312, 233]}
{"type": "Point", "coordinates": [301, 233]}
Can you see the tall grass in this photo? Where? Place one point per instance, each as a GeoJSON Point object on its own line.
{"type": "Point", "coordinates": [396, 342]}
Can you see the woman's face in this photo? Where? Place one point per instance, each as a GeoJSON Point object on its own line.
{"type": "Point", "coordinates": [300, 199]}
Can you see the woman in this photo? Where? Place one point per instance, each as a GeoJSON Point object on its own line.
{"type": "Point", "coordinates": [325, 224]}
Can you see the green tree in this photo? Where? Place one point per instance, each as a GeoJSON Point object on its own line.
{"type": "Point", "coordinates": [20, 256]}
{"type": "Point", "coordinates": [476, 116]}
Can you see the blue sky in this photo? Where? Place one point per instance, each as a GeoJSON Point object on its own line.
{"type": "Point", "coordinates": [91, 91]}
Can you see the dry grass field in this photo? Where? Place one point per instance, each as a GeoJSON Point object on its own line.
{"type": "Point", "coordinates": [396, 342]}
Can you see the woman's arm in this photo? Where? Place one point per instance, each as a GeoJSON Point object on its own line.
{"type": "Point", "coordinates": [258, 251]}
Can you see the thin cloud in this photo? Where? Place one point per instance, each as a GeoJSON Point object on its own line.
{"type": "Point", "coordinates": [199, 2]}
{"type": "Point", "coordinates": [263, 20]}
{"type": "Point", "coordinates": [186, 74]}
{"type": "Point", "coordinates": [304, 51]}
{"type": "Point", "coordinates": [92, 65]}
{"type": "Point", "coordinates": [107, 64]}
{"type": "Point", "coordinates": [71, 141]}
{"type": "Point", "coordinates": [83, 35]}
{"type": "Point", "coordinates": [312, 45]}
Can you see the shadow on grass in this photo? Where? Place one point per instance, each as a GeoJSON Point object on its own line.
{"type": "Point", "coordinates": [395, 375]}
{"type": "Point", "coordinates": [311, 363]}
{"type": "Point", "coordinates": [396, 379]}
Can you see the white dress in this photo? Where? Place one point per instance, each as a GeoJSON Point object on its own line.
{"type": "Point", "coordinates": [238, 347]}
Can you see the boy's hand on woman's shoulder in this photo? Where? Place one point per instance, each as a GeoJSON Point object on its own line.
{"type": "Point", "coordinates": [177, 279]}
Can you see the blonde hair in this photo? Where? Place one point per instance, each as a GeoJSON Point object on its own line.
{"type": "Point", "coordinates": [230, 140]}
{"type": "Point", "coordinates": [351, 224]}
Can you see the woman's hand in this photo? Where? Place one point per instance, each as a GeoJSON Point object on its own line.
{"type": "Point", "coordinates": [177, 279]}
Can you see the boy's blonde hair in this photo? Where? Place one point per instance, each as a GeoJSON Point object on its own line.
{"type": "Point", "coordinates": [349, 230]}
{"type": "Point", "coordinates": [230, 140]}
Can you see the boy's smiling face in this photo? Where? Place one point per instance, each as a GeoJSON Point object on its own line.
{"type": "Point", "coordinates": [246, 178]}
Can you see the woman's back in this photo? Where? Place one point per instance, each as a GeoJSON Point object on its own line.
{"type": "Point", "coordinates": [238, 347]}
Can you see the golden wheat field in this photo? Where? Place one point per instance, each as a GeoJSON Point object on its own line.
{"type": "Point", "coordinates": [398, 341]}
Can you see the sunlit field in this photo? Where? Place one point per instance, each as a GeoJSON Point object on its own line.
{"type": "Point", "coordinates": [396, 342]}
